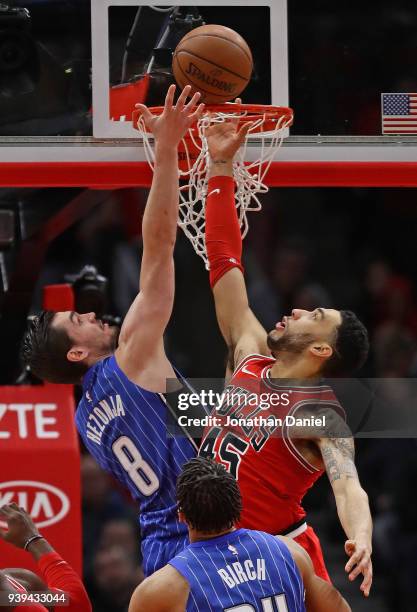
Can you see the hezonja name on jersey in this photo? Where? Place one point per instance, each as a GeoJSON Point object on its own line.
{"type": "Point", "coordinates": [236, 573]}
{"type": "Point", "coordinates": [101, 415]}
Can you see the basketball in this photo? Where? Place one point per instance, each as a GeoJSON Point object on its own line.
{"type": "Point", "coordinates": [214, 60]}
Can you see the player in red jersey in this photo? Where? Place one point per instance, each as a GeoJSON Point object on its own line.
{"type": "Point", "coordinates": [276, 464]}
{"type": "Point", "coordinates": [55, 575]}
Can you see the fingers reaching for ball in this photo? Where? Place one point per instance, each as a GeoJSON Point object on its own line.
{"type": "Point", "coordinates": [170, 126]}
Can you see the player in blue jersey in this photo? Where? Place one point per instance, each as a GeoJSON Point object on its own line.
{"type": "Point", "coordinates": [123, 414]}
{"type": "Point", "coordinates": [224, 568]}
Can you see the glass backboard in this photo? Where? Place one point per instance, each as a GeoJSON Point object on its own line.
{"type": "Point", "coordinates": [63, 64]}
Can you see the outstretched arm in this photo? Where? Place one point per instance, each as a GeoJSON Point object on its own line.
{"type": "Point", "coordinates": [240, 328]}
{"type": "Point", "coordinates": [141, 337]}
{"type": "Point", "coordinates": [320, 596]}
{"type": "Point", "coordinates": [352, 503]}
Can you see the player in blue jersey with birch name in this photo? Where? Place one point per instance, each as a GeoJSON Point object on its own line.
{"type": "Point", "coordinates": [124, 410]}
{"type": "Point", "coordinates": [226, 569]}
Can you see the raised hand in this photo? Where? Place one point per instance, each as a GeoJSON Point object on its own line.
{"type": "Point", "coordinates": [172, 125]}
{"type": "Point", "coordinates": [20, 526]}
{"type": "Point", "coordinates": [225, 139]}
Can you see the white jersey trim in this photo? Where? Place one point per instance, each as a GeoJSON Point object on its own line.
{"type": "Point", "coordinates": [300, 389]}
{"type": "Point", "coordinates": [15, 583]}
{"type": "Point", "coordinates": [296, 532]}
{"type": "Point", "coordinates": [251, 357]}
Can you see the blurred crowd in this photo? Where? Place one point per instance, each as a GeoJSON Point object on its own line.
{"type": "Point", "coordinates": [111, 540]}
{"type": "Point", "coordinates": [342, 248]}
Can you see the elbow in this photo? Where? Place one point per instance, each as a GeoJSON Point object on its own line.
{"type": "Point", "coordinates": [364, 496]}
{"type": "Point", "coordinates": [361, 495]}
{"type": "Point", "coordinates": [161, 235]}
{"type": "Point", "coordinates": [160, 244]}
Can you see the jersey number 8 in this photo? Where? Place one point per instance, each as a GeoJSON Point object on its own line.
{"type": "Point", "coordinates": [138, 470]}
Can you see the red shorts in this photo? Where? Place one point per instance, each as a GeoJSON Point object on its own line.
{"type": "Point", "coordinates": [310, 542]}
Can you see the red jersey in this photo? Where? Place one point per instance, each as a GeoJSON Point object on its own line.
{"type": "Point", "coordinates": [250, 437]}
{"type": "Point", "coordinates": [59, 578]}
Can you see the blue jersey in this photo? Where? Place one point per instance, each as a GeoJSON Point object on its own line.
{"type": "Point", "coordinates": [246, 571]}
{"type": "Point", "coordinates": [124, 427]}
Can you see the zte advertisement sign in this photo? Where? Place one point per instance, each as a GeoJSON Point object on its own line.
{"type": "Point", "coordinates": [40, 462]}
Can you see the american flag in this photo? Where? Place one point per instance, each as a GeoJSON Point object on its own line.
{"type": "Point", "coordinates": [399, 113]}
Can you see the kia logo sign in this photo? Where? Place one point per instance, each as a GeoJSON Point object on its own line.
{"type": "Point", "coordinates": [46, 504]}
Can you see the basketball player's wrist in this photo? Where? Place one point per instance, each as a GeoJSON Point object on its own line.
{"type": "Point", "coordinates": [165, 150]}
{"type": "Point", "coordinates": [223, 182]}
{"type": "Point", "coordinates": [364, 538]}
{"type": "Point", "coordinates": [39, 547]}
{"type": "Point", "coordinates": [221, 167]}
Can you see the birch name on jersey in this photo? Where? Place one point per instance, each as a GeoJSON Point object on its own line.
{"type": "Point", "coordinates": [102, 415]}
{"type": "Point", "coordinates": [237, 573]}
{"type": "Point", "coordinates": [242, 571]}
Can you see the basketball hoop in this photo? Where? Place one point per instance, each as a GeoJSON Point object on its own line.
{"type": "Point", "coordinates": [268, 122]}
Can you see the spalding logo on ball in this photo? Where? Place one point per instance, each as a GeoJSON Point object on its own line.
{"type": "Point", "coordinates": [214, 60]}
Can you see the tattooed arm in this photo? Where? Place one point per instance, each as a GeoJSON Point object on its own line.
{"type": "Point", "coordinates": [338, 455]}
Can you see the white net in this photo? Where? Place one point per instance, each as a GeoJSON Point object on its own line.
{"type": "Point", "coordinates": [249, 177]}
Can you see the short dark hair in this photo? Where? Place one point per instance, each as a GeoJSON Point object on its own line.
{"type": "Point", "coordinates": [208, 496]}
{"type": "Point", "coordinates": [351, 346]}
{"type": "Point", "coordinates": [44, 349]}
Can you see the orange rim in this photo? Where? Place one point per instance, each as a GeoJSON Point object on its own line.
{"type": "Point", "coordinates": [250, 113]}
